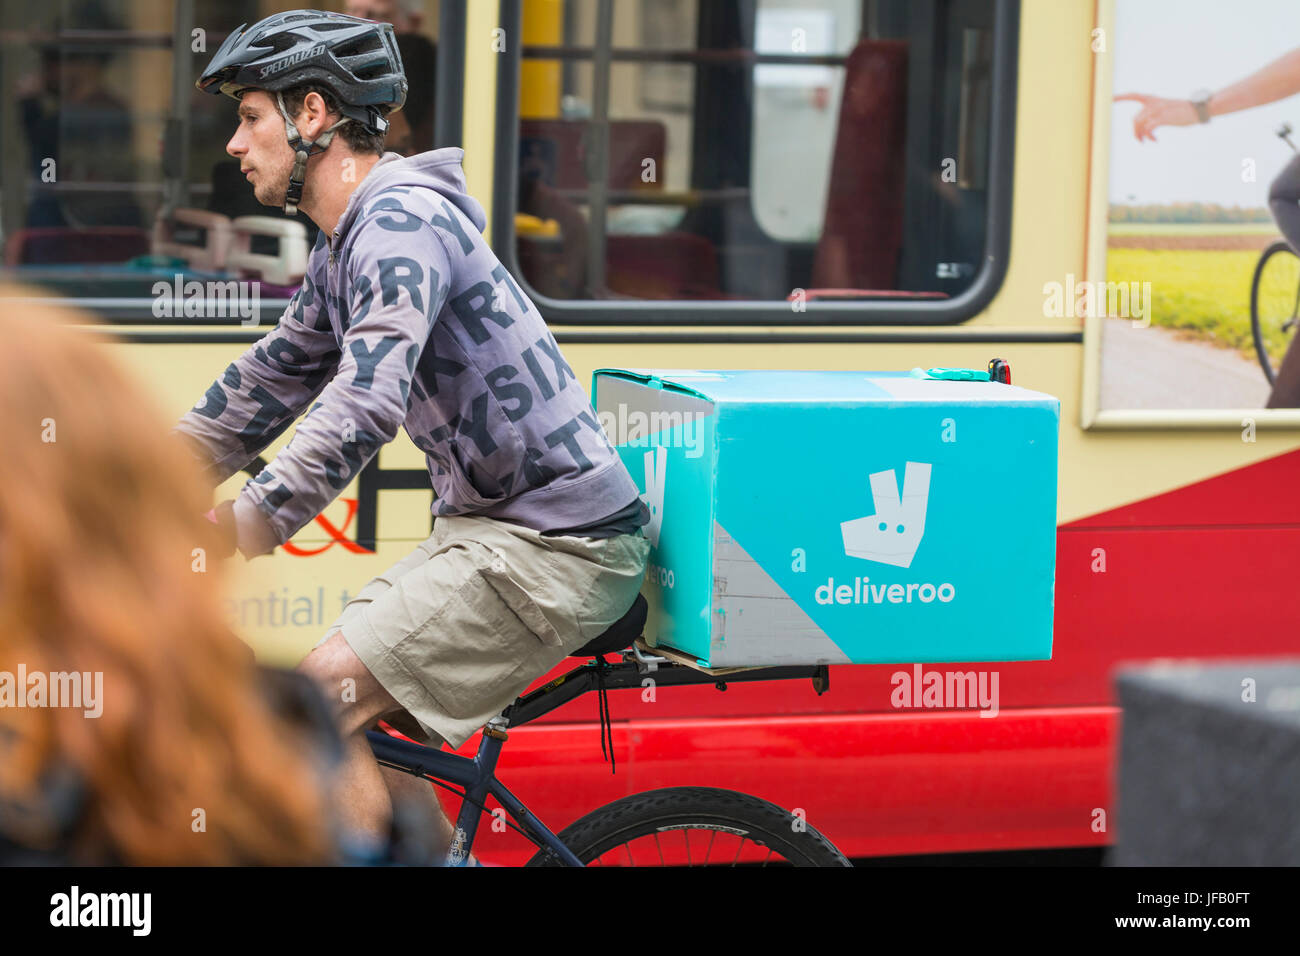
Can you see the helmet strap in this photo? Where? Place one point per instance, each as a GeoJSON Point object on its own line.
{"type": "Point", "coordinates": [303, 150]}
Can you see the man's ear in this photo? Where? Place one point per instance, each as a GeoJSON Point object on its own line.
{"type": "Point", "coordinates": [315, 117]}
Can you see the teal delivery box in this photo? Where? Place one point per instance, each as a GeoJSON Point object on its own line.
{"type": "Point", "coordinates": [808, 517]}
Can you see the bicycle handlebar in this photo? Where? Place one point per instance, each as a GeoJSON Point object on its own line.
{"type": "Point", "coordinates": [1283, 133]}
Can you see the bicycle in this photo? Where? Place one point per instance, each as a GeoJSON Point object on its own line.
{"type": "Point", "coordinates": [651, 823]}
{"type": "Point", "coordinates": [1275, 295]}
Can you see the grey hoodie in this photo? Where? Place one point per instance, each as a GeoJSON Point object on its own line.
{"type": "Point", "coordinates": [406, 317]}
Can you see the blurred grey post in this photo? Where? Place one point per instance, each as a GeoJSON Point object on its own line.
{"type": "Point", "coordinates": [1209, 765]}
{"type": "Point", "coordinates": [449, 82]}
{"type": "Point", "coordinates": [176, 140]}
{"type": "Point", "coordinates": [598, 146]}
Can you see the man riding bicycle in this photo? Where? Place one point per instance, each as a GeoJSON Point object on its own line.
{"type": "Point", "coordinates": [407, 318]}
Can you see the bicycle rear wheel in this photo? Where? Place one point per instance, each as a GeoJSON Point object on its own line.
{"type": "Point", "coordinates": [693, 826]}
{"type": "Point", "coordinates": [1274, 305]}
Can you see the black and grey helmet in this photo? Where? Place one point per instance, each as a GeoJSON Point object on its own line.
{"type": "Point", "coordinates": [356, 59]}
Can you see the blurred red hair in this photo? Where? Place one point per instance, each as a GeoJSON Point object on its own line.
{"type": "Point", "coordinates": [98, 531]}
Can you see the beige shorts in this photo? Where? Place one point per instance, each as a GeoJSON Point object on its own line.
{"type": "Point", "coordinates": [481, 608]}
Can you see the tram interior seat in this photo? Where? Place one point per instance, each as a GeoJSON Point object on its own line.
{"type": "Point", "coordinates": [198, 237]}
{"type": "Point", "coordinates": [670, 265]}
{"type": "Point", "coordinates": [862, 235]}
{"type": "Point", "coordinates": [65, 245]}
{"type": "Point", "coordinates": [555, 150]}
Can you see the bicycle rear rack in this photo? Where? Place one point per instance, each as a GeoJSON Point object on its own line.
{"type": "Point", "coordinates": [477, 775]}
{"type": "Point", "coordinates": [629, 673]}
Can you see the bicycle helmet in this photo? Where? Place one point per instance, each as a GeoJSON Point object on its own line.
{"type": "Point", "coordinates": [356, 59]}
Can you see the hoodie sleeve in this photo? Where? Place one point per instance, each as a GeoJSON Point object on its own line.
{"type": "Point", "coordinates": [398, 274]}
{"type": "Point", "coordinates": [264, 390]}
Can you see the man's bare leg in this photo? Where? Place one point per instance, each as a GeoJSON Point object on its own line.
{"type": "Point", "coordinates": [418, 792]}
{"type": "Point", "coordinates": [365, 790]}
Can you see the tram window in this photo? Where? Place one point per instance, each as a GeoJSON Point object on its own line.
{"type": "Point", "coordinates": [119, 175]}
{"type": "Point", "coordinates": [796, 108]}
{"type": "Point", "coordinates": [754, 150]}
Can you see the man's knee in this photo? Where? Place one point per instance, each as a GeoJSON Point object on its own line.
{"type": "Point", "coordinates": [1285, 187]}
{"type": "Point", "coordinates": [1280, 204]}
{"type": "Point", "coordinates": [357, 698]}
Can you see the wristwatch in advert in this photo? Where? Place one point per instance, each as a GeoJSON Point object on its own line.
{"type": "Point", "coordinates": [1201, 101]}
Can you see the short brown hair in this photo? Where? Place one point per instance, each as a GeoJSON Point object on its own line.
{"type": "Point", "coordinates": [358, 138]}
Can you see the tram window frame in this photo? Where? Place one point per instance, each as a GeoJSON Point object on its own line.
{"type": "Point", "coordinates": [755, 312]}
{"type": "Point", "coordinates": [138, 310]}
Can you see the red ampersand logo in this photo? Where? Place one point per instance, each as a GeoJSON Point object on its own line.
{"type": "Point", "coordinates": [336, 535]}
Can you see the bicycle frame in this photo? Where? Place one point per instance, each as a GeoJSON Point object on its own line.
{"type": "Point", "coordinates": [477, 775]}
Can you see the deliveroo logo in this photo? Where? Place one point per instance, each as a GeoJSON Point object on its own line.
{"type": "Point", "coordinates": [892, 534]}
{"type": "Point", "coordinates": [656, 471]}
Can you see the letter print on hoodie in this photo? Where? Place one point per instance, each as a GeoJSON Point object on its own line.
{"type": "Point", "coordinates": [406, 318]}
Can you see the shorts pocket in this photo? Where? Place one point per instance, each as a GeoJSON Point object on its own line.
{"type": "Point", "coordinates": [486, 636]}
{"type": "Point", "coordinates": [517, 599]}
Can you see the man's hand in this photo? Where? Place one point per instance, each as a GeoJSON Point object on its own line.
{"type": "Point", "coordinates": [251, 537]}
{"type": "Point", "coordinates": [1157, 111]}
{"type": "Point", "coordinates": [223, 516]}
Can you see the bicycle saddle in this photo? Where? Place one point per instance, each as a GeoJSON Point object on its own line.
{"type": "Point", "coordinates": [620, 634]}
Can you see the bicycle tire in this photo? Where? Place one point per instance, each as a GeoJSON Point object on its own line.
{"type": "Point", "coordinates": [1256, 331]}
{"type": "Point", "coordinates": [655, 811]}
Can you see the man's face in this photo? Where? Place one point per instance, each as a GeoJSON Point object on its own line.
{"type": "Point", "coordinates": [262, 148]}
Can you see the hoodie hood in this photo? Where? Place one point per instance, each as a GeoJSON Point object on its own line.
{"type": "Point", "coordinates": [438, 169]}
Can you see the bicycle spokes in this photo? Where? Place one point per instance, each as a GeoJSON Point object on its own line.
{"type": "Point", "coordinates": [691, 845]}
{"type": "Point", "coordinates": [1275, 305]}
